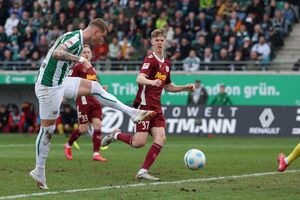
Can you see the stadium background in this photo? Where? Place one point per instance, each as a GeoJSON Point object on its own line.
{"type": "Point", "coordinates": [263, 89]}
{"type": "Point", "coordinates": [223, 35]}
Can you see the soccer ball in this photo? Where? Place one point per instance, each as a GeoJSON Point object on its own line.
{"type": "Point", "coordinates": [194, 159]}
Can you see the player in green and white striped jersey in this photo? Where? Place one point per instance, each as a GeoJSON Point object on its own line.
{"type": "Point", "coordinates": [52, 85]}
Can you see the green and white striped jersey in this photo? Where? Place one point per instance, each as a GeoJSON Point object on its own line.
{"type": "Point", "coordinates": [52, 71]}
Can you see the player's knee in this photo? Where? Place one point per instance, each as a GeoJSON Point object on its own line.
{"type": "Point", "coordinates": [97, 125]}
{"type": "Point", "coordinates": [138, 143]}
{"type": "Point", "coordinates": [83, 129]}
{"type": "Point", "coordinates": [50, 129]}
{"type": "Point", "coordinates": [161, 140]}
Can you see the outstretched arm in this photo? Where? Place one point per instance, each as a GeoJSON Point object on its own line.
{"type": "Point", "coordinates": [174, 88]}
{"type": "Point", "coordinates": [62, 53]}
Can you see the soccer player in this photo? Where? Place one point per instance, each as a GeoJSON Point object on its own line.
{"type": "Point", "coordinates": [52, 85]}
{"type": "Point", "coordinates": [154, 76]}
{"type": "Point", "coordinates": [284, 162]}
{"type": "Point", "coordinates": [89, 110]}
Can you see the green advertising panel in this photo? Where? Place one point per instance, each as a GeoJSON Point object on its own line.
{"type": "Point", "coordinates": [243, 89]}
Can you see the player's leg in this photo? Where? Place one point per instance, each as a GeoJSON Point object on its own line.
{"type": "Point", "coordinates": [96, 138]}
{"type": "Point", "coordinates": [82, 128]}
{"type": "Point", "coordinates": [82, 87]}
{"type": "Point", "coordinates": [49, 104]}
{"type": "Point", "coordinates": [284, 162]}
{"type": "Point", "coordinates": [159, 139]}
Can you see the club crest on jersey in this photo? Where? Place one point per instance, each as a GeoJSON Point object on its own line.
{"type": "Point", "coordinates": [145, 65]}
{"type": "Point", "coordinates": [167, 68]}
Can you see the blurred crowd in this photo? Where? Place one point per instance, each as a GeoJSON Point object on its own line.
{"type": "Point", "coordinates": [200, 31]}
{"type": "Point", "coordinates": [24, 119]}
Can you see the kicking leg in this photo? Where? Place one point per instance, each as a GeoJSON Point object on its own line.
{"type": "Point", "coordinates": [94, 88]}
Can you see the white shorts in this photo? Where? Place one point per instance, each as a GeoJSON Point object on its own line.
{"type": "Point", "coordinates": [50, 98]}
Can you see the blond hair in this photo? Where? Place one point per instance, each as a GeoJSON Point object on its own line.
{"type": "Point", "coordinates": [99, 23]}
{"type": "Point", "coordinates": [159, 32]}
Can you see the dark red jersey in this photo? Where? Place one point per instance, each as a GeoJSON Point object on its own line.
{"type": "Point", "coordinates": [154, 69]}
{"type": "Point", "coordinates": [79, 71]}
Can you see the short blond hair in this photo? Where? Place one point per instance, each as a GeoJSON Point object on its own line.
{"type": "Point", "coordinates": [99, 23]}
{"type": "Point", "coordinates": [86, 46]}
{"type": "Point", "coordinates": [159, 32]}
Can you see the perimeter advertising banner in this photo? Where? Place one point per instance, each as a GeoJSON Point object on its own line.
{"type": "Point", "coordinates": [227, 120]}
{"type": "Point", "coordinates": [243, 89]}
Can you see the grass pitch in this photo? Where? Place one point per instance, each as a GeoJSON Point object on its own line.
{"type": "Point", "coordinates": [229, 159]}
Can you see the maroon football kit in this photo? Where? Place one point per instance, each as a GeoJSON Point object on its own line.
{"type": "Point", "coordinates": [149, 97]}
{"type": "Point", "coordinates": [88, 107]}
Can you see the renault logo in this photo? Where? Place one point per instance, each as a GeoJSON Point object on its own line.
{"type": "Point", "coordinates": [266, 117]}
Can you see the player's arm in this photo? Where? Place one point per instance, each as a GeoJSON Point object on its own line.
{"type": "Point", "coordinates": [174, 88]}
{"type": "Point", "coordinates": [143, 80]}
{"type": "Point", "coordinates": [62, 53]}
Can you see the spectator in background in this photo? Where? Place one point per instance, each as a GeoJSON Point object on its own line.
{"type": "Point", "coordinates": [222, 99]}
{"type": "Point", "coordinates": [68, 119]}
{"type": "Point", "coordinates": [262, 49]}
{"type": "Point", "coordinates": [185, 48]}
{"type": "Point", "coordinates": [199, 46]}
{"type": "Point", "coordinates": [199, 96]}
{"type": "Point", "coordinates": [11, 22]}
{"type": "Point", "coordinates": [4, 116]}
{"type": "Point", "coordinates": [30, 117]}
{"type": "Point", "coordinates": [208, 58]}
{"type": "Point", "coordinates": [16, 120]}
{"type": "Point", "coordinates": [114, 50]}
{"type": "Point", "coordinates": [192, 62]}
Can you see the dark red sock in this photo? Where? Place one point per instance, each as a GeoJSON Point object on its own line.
{"type": "Point", "coordinates": [151, 155]}
{"type": "Point", "coordinates": [97, 139]}
{"type": "Point", "coordinates": [126, 138]}
{"type": "Point", "coordinates": [74, 136]}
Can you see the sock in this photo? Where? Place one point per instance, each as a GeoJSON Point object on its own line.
{"type": "Point", "coordinates": [97, 140]}
{"type": "Point", "coordinates": [126, 138]}
{"type": "Point", "coordinates": [74, 136]}
{"type": "Point", "coordinates": [42, 145]}
{"type": "Point", "coordinates": [151, 155]}
{"type": "Point", "coordinates": [294, 155]}
{"type": "Point", "coordinates": [109, 100]}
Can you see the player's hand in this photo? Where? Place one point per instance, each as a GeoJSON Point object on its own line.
{"type": "Point", "coordinates": [190, 87]}
{"type": "Point", "coordinates": [105, 87]}
{"type": "Point", "coordinates": [156, 82]}
{"type": "Point", "coordinates": [86, 64]}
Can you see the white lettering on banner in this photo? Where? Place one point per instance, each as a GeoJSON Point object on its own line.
{"type": "Point", "coordinates": [207, 112]}
{"type": "Point", "coordinates": [220, 111]}
{"type": "Point", "coordinates": [192, 111]}
{"type": "Point", "coordinates": [127, 89]}
{"type": "Point", "coordinates": [260, 90]}
{"type": "Point", "coordinates": [176, 111]}
{"type": "Point", "coordinates": [267, 131]}
{"type": "Point", "coordinates": [233, 111]}
{"type": "Point", "coordinates": [220, 114]}
{"type": "Point", "coordinates": [296, 131]}
{"type": "Point", "coordinates": [217, 126]}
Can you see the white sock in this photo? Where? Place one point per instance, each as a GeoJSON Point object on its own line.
{"type": "Point", "coordinates": [42, 145]}
{"type": "Point", "coordinates": [108, 99]}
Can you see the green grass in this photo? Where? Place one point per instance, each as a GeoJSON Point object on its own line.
{"type": "Point", "coordinates": [226, 156]}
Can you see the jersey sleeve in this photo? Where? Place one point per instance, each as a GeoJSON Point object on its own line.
{"type": "Point", "coordinates": [72, 42]}
{"type": "Point", "coordinates": [168, 79]}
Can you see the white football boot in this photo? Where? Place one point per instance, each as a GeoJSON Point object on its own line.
{"type": "Point", "coordinates": [144, 174]}
{"type": "Point", "coordinates": [38, 175]}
